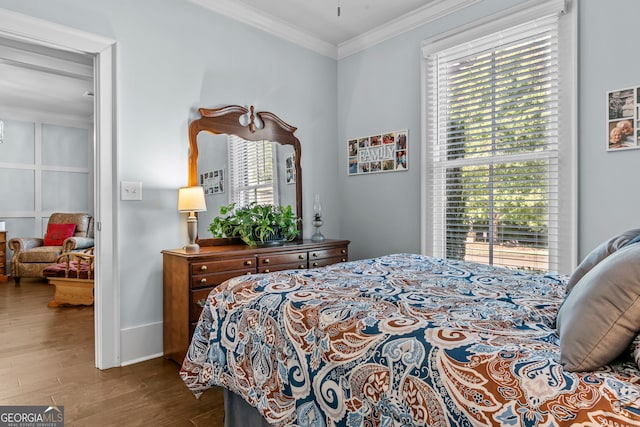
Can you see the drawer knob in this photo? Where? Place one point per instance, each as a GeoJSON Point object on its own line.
{"type": "Point", "coordinates": [248, 263]}
{"type": "Point", "coordinates": [344, 251]}
{"type": "Point", "coordinates": [202, 302]}
{"type": "Point", "coordinates": [315, 254]}
{"type": "Point", "coordinates": [203, 268]}
{"type": "Point", "coordinates": [203, 280]}
{"type": "Point", "coordinates": [343, 260]}
{"type": "Point", "coordinates": [300, 256]}
{"type": "Point", "coordinates": [266, 261]}
{"type": "Point", "coordinates": [302, 266]}
{"type": "Point", "coordinates": [266, 270]}
{"type": "Point", "coordinates": [248, 273]}
{"type": "Point", "coordinates": [315, 264]}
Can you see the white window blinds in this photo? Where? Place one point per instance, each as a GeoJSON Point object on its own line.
{"type": "Point", "coordinates": [253, 175]}
{"type": "Point", "coordinates": [492, 140]}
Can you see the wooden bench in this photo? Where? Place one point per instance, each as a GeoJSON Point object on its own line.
{"type": "Point", "coordinates": [72, 276]}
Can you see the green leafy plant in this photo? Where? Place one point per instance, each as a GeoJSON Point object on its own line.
{"type": "Point", "coordinates": [256, 223]}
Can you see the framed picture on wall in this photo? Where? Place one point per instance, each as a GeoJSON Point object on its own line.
{"type": "Point", "coordinates": [382, 152]}
{"type": "Point", "coordinates": [623, 119]}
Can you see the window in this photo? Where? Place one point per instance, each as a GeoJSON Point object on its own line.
{"type": "Point", "coordinates": [495, 141]}
{"type": "Point", "coordinates": [253, 175]}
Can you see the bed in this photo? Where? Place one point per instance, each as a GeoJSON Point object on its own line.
{"type": "Point", "coordinates": [399, 340]}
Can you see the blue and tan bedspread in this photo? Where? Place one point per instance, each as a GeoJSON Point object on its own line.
{"type": "Point", "coordinates": [402, 340]}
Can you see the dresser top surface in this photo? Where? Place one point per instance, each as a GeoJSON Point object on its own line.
{"type": "Point", "coordinates": [246, 250]}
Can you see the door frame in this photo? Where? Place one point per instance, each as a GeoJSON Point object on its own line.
{"type": "Point", "coordinates": [26, 28]}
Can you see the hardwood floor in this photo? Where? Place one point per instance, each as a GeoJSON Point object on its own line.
{"type": "Point", "coordinates": [47, 356]}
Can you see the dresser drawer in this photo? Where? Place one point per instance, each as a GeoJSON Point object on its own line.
{"type": "Point", "coordinates": [290, 258]}
{"type": "Point", "coordinates": [326, 261]}
{"type": "Point", "coordinates": [302, 265]}
{"type": "Point", "coordinates": [214, 279]}
{"type": "Point", "coordinates": [327, 253]}
{"type": "Point", "coordinates": [198, 299]}
{"type": "Point", "coordinates": [222, 265]}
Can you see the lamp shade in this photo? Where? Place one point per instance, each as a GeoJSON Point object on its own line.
{"type": "Point", "coordinates": [191, 199]}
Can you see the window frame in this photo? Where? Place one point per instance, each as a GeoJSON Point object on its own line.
{"type": "Point", "coordinates": [565, 258]}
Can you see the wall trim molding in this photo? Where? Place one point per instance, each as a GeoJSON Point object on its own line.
{"type": "Point", "coordinates": [46, 117]}
{"type": "Point", "coordinates": [410, 21]}
{"type": "Point", "coordinates": [269, 24]}
{"type": "Point", "coordinates": [140, 343]}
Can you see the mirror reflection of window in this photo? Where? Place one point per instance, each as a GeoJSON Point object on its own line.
{"type": "Point", "coordinates": [253, 172]}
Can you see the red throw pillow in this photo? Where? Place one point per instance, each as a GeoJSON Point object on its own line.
{"type": "Point", "coordinates": [56, 233]}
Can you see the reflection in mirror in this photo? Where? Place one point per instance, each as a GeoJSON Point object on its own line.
{"type": "Point", "coordinates": [234, 170]}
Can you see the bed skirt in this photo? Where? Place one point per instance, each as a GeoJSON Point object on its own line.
{"type": "Point", "coordinates": [238, 413]}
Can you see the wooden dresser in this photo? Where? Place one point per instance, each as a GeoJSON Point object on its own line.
{"type": "Point", "coordinates": [189, 277]}
{"type": "Point", "coordinates": [3, 256]}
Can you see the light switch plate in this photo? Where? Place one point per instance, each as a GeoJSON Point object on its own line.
{"type": "Point", "coordinates": [130, 190]}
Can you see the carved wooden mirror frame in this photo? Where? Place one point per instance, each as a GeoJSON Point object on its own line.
{"type": "Point", "coordinates": [229, 120]}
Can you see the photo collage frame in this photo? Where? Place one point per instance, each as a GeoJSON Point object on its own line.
{"type": "Point", "coordinates": [382, 152]}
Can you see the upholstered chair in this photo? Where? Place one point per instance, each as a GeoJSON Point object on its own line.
{"type": "Point", "coordinates": [31, 255]}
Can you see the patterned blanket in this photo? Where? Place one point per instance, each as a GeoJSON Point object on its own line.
{"type": "Point", "coordinates": [402, 340]}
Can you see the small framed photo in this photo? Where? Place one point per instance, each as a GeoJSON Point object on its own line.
{"type": "Point", "coordinates": [623, 119]}
{"type": "Point", "coordinates": [290, 168]}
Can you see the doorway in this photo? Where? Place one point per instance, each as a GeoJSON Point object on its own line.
{"type": "Point", "coordinates": [26, 29]}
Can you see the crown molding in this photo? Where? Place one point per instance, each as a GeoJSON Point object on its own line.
{"type": "Point", "coordinates": [279, 28]}
{"type": "Point", "coordinates": [402, 24]}
{"type": "Point", "coordinates": [269, 24]}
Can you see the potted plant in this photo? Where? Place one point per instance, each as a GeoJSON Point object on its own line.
{"type": "Point", "coordinates": [256, 224]}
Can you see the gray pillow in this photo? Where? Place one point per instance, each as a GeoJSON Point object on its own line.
{"type": "Point", "coordinates": [601, 316]}
{"type": "Point", "coordinates": [599, 253]}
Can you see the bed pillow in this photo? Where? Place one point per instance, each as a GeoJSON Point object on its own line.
{"type": "Point", "coordinates": [57, 233]}
{"type": "Point", "coordinates": [601, 316]}
{"type": "Point", "coordinates": [601, 252]}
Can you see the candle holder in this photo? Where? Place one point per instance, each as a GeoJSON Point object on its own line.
{"type": "Point", "coordinates": [317, 220]}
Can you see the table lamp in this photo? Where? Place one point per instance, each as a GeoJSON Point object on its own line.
{"type": "Point", "coordinates": [191, 199]}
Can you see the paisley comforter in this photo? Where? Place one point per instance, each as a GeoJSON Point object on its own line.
{"type": "Point", "coordinates": [402, 340]}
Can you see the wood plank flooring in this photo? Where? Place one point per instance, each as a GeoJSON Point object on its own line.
{"type": "Point", "coordinates": [47, 356]}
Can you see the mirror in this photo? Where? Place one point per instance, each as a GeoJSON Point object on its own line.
{"type": "Point", "coordinates": [232, 142]}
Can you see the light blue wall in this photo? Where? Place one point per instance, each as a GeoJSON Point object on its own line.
{"type": "Point", "coordinates": [173, 57]}
{"type": "Point", "coordinates": [379, 91]}
{"type": "Point", "coordinates": [609, 60]}
{"type": "Point", "coordinates": [35, 179]}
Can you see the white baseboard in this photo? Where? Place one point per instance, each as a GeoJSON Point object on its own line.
{"type": "Point", "coordinates": [140, 343]}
